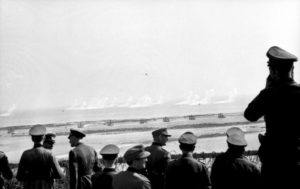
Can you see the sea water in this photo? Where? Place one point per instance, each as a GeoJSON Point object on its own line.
{"type": "Point", "coordinates": [63, 115]}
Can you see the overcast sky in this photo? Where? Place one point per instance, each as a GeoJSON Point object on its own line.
{"type": "Point", "coordinates": [65, 52]}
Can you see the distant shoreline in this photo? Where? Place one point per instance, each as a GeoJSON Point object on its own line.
{"type": "Point", "coordinates": [140, 125]}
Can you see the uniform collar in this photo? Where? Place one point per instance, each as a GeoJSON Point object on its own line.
{"type": "Point", "coordinates": [109, 169]}
{"type": "Point", "coordinates": [234, 153]}
{"type": "Point", "coordinates": [134, 170]}
{"type": "Point", "coordinates": [285, 81]}
{"type": "Point", "coordinates": [156, 144]}
{"type": "Point", "coordinates": [36, 145]}
{"type": "Point", "coordinates": [79, 143]}
{"type": "Point", "coordinates": [187, 155]}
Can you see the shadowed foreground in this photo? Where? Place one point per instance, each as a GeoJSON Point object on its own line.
{"type": "Point", "coordinates": [206, 158]}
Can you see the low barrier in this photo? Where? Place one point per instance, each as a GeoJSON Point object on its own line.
{"type": "Point", "coordinates": [206, 158]}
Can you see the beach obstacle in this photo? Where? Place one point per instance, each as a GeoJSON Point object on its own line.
{"type": "Point", "coordinates": [109, 123]}
{"type": "Point", "coordinates": [142, 121]}
{"type": "Point", "coordinates": [192, 117]}
{"type": "Point", "coordinates": [221, 115]}
{"type": "Point", "coordinates": [166, 119]}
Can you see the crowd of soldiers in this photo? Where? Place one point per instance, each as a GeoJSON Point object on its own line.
{"type": "Point", "coordinates": [152, 166]}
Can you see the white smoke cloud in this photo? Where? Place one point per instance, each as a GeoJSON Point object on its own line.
{"type": "Point", "coordinates": [128, 102]}
{"type": "Point", "coordinates": [144, 101]}
{"type": "Point", "coordinates": [9, 111]}
{"type": "Point", "coordinates": [231, 95]}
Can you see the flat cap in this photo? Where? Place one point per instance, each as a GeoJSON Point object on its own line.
{"type": "Point", "coordinates": [161, 131]}
{"type": "Point", "coordinates": [110, 149]}
{"type": "Point", "coordinates": [49, 137]}
{"type": "Point", "coordinates": [188, 138]}
{"type": "Point", "coordinates": [37, 130]}
{"type": "Point", "coordinates": [236, 136]}
{"type": "Point", "coordinates": [278, 54]}
{"type": "Point", "coordinates": [77, 133]}
{"type": "Point", "coordinates": [136, 152]}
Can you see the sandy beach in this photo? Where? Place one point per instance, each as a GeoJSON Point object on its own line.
{"type": "Point", "coordinates": [209, 129]}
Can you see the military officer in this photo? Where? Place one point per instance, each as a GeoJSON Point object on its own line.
{"type": "Point", "coordinates": [83, 160]}
{"type": "Point", "coordinates": [232, 169]}
{"type": "Point", "coordinates": [5, 170]}
{"type": "Point", "coordinates": [49, 140]}
{"type": "Point", "coordinates": [38, 167]}
{"type": "Point", "coordinates": [187, 172]}
{"type": "Point", "coordinates": [136, 158]}
{"type": "Point", "coordinates": [103, 179]}
{"type": "Point", "coordinates": [279, 104]}
{"type": "Point", "coordinates": [159, 158]}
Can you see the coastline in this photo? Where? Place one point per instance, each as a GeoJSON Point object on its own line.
{"type": "Point", "coordinates": [209, 129]}
{"type": "Point", "coordinates": [129, 125]}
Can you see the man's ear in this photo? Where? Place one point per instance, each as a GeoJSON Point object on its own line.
{"type": "Point", "coordinates": [292, 72]}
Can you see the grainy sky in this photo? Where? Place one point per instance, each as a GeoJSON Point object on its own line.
{"type": "Point", "coordinates": [64, 52]}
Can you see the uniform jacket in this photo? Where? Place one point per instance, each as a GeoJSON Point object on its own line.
{"type": "Point", "coordinates": [130, 179]}
{"type": "Point", "coordinates": [280, 106]}
{"type": "Point", "coordinates": [83, 161]}
{"type": "Point", "coordinates": [5, 170]}
{"type": "Point", "coordinates": [37, 168]}
{"type": "Point", "coordinates": [157, 164]}
{"type": "Point", "coordinates": [186, 172]}
{"type": "Point", "coordinates": [234, 171]}
{"type": "Point", "coordinates": [103, 180]}
{"type": "Point", "coordinates": [279, 103]}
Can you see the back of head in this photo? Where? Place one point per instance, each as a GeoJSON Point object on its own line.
{"type": "Point", "coordinates": [187, 142]}
{"type": "Point", "coordinates": [110, 152]}
{"type": "Point", "coordinates": [135, 153]}
{"type": "Point", "coordinates": [78, 133]}
{"type": "Point", "coordinates": [280, 59]}
{"type": "Point", "coordinates": [236, 137]}
{"type": "Point", "coordinates": [37, 133]}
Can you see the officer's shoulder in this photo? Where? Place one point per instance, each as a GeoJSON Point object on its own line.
{"type": "Point", "coordinates": [2, 154]}
{"type": "Point", "coordinates": [221, 155]}
{"type": "Point", "coordinates": [148, 147]}
{"type": "Point", "coordinates": [142, 177]}
{"type": "Point", "coordinates": [172, 163]}
{"type": "Point", "coordinates": [96, 175]}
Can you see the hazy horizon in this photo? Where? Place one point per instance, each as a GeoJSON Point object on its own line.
{"type": "Point", "coordinates": [85, 53]}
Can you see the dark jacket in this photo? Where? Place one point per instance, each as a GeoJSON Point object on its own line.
{"type": "Point", "coordinates": [37, 168]}
{"type": "Point", "coordinates": [103, 179]}
{"type": "Point", "coordinates": [233, 170]}
{"type": "Point", "coordinates": [186, 172]}
{"type": "Point", "coordinates": [279, 103]}
{"type": "Point", "coordinates": [5, 170]}
{"type": "Point", "coordinates": [83, 162]}
{"type": "Point", "coordinates": [131, 179]}
{"type": "Point", "coordinates": [157, 164]}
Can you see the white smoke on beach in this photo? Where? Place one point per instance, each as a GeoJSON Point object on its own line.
{"type": "Point", "coordinates": [114, 102]}
{"type": "Point", "coordinates": [9, 111]}
{"type": "Point", "coordinates": [210, 97]}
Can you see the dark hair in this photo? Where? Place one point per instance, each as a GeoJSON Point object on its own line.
{"type": "Point", "coordinates": [238, 149]}
{"type": "Point", "coordinates": [37, 138]}
{"type": "Point", "coordinates": [281, 66]}
{"type": "Point", "coordinates": [187, 147]}
{"type": "Point", "coordinates": [109, 156]}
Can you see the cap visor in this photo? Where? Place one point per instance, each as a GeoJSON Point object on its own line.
{"type": "Point", "coordinates": [145, 154]}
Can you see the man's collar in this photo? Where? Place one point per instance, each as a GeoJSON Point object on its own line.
{"type": "Point", "coordinates": [109, 169]}
{"type": "Point", "coordinates": [132, 169]}
{"type": "Point", "coordinates": [36, 145]}
{"type": "Point", "coordinates": [157, 144]}
{"type": "Point", "coordinates": [187, 155]}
